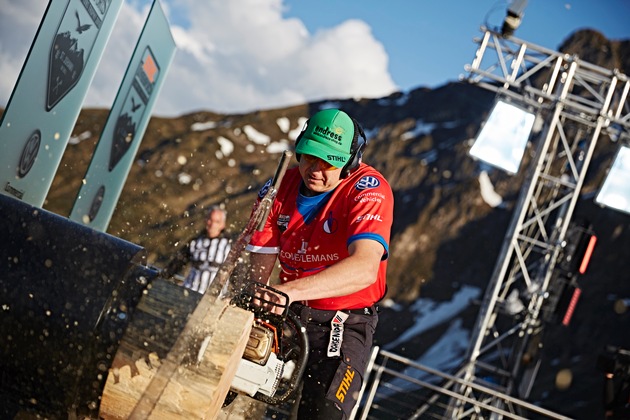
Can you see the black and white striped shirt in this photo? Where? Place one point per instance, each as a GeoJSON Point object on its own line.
{"type": "Point", "coordinates": [205, 255]}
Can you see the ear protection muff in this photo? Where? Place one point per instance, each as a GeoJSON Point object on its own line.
{"type": "Point", "coordinates": [298, 138]}
{"type": "Point", "coordinates": [359, 141]}
{"type": "Point", "coordinates": [356, 150]}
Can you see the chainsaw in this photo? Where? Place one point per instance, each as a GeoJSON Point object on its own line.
{"type": "Point", "coordinates": [277, 349]}
{"type": "Point", "coordinates": [278, 346]}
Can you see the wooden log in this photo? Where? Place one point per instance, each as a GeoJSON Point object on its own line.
{"type": "Point", "coordinates": [199, 385]}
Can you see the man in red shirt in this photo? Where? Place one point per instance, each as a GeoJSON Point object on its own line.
{"type": "Point", "coordinates": [329, 228]}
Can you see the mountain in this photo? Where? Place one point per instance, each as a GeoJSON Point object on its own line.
{"type": "Point", "coordinates": [446, 236]}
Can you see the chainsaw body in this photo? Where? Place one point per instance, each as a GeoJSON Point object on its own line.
{"type": "Point", "coordinates": [277, 349]}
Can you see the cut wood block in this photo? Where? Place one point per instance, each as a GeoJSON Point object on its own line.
{"type": "Point", "coordinates": [200, 381]}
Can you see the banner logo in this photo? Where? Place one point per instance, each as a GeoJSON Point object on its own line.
{"type": "Point", "coordinates": [29, 153]}
{"type": "Point", "coordinates": [13, 191]}
{"type": "Point", "coordinates": [72, 46]}
{"type": "Point", "coordinates": [134, 107]}
{"type": "Point", "coordinates": [96, 203]}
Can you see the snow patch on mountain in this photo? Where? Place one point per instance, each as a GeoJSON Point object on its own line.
{"type": "Point", "coordinates": [203, 126]}
{"type": "Point", "coordinates": [488, 193]}
{"type": "Point", "coordinates": [431, 313]}
{"type": "Point", "coordinates": [256, 136]}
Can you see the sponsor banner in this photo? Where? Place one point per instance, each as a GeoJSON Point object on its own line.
{"type": "Point", "coordinates": [336, 334]}
{"type": "Point", "coordinates": [47, 98]}
{"type": "Point", "coordinates": [126, 123]}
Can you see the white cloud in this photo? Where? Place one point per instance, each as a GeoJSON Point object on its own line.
{"type": "Point", "coordinates": [18, 24]}
{"type": "Point", "coordinates": [233, 56]}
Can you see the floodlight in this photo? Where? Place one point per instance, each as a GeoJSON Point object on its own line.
{"type": "Point", "coordinates": [513, 18]}
{"type": "Point", "coordinates": [502, 140]}
{"type": "Point", "coordinates": [615, 192]}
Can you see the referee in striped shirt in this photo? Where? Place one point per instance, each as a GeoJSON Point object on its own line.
{"type": "Point", "coordinates": [205, 253]}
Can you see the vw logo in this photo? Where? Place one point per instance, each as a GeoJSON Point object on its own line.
{"type": "Point", "coordinates": [29, 153]}
{"type": "Point", "coordinates": [367, 182]}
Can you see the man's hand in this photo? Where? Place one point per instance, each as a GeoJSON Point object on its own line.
{"type": "Point", "coordinates": [270, 301]}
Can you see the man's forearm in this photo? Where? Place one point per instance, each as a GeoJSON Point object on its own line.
{"type": "Point", "coordinates": [261, 267]}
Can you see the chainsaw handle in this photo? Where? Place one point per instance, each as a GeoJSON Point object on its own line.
{"type": "Point", "coordinates": [267, 200]}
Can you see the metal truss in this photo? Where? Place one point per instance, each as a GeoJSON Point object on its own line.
{"type": "Point", "coordinates": [576, 102]}
{"type": "Point", "coordinates": [397, 387]}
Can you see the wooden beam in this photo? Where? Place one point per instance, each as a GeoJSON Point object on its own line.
{"type": "Point", "coordinates": [201, 382]}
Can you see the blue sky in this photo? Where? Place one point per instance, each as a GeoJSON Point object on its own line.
{"type": "Point", "coordinates": [429, 42]}
{"type": "Point", "coordinates": [243, 55]}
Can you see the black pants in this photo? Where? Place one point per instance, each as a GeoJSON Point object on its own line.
{"type": "Point", "coordinates": [331, 384]}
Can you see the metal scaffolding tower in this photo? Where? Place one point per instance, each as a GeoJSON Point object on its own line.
{"type": "Point", "coordinates": [577, 103]}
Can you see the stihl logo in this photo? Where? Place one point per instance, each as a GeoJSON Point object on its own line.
{"type": "Point", "coordinates": [336, 158]}
{"type": "Point", "coordinates": [342, 391]}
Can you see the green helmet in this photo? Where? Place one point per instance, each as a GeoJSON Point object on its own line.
{"type": "Point", "coordinates": [329, 135]}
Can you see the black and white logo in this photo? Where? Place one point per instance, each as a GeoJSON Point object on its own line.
{"type": "Point", "coordinates": [97, 201]}
{"type": "Point", "coordinates": [71, 48]}
{"type": "Point", "coordinates": [336, 334]}
{"type": "Point", "coordinates": [29, 154]}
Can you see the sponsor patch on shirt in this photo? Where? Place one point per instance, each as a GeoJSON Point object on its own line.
{"type": "Point", "coordinates": [366, 183]}
{"type": "Point", "coordinates": [336, 334]}
{"type": "Point", "coordinates": [283, 222]}
{"type": "Point", "coordinates": [367, 217]}
{"type": "Point", "coordinates": [370, 196]}
{"type": "Point", "coordinates": [330, 224]}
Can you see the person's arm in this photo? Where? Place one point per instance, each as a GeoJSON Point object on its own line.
{"type": "Point", "coordinates": [261, 266]}
{"type": "Point", "coordinates": [347, 276]}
